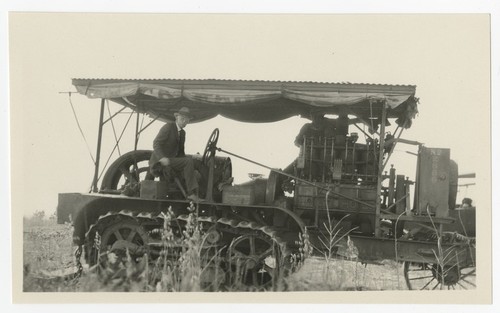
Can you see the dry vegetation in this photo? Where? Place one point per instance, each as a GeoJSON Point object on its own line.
{"type": "Point", "coordinates": [48, 253]}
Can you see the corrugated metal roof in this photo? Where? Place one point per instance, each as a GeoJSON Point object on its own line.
{"type": "Point", "coordinates": [233, 84]}
{"type": "Point", "coordinates": [239, 80]}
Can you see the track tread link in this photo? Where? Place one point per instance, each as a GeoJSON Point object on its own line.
{"type": "Point", "coordinates": [236, 227]}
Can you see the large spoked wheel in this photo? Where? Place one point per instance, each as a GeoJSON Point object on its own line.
{"type": "Point", "coordinates": [211, 146]}
{"type": "Point", "coordinates": [253, 261]}
{"type": "Point", "coordinates": [127, 170]}
{"type": "Point", "coordinates": [122, 241]}
{"type": "Point", "coordinates": [426, 276]}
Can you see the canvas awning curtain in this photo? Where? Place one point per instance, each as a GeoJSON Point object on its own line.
{"type": "Point", "coordinates": [252, 101]}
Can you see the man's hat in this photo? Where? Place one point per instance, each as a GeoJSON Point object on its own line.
{"type": "Point", "coordinates": [184, 112]}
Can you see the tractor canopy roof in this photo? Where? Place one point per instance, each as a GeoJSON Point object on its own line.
{"type": "Point", "coordinates": [254, 101]}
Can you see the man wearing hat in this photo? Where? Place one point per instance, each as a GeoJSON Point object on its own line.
{"type": "Point", "coordinates": [168, 152]}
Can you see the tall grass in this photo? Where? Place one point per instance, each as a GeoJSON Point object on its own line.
{"type": "Point", "coordinates": [189, 263]}
{"type": "Point", "coordinates": [46, 249]}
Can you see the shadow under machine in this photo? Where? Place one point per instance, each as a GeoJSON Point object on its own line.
{"type": "Point", "coordinates": [340, 185]}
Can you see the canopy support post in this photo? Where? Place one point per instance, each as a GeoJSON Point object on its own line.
{"type": "Point", "coordinates": [137, 132]}
{"type": "Point", "coordinates": [98, 152]}
{"type": "Point", "coordinates": [380, 169]}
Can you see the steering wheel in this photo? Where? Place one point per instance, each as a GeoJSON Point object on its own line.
{"type": "Point", "coordinates": [211, 146]}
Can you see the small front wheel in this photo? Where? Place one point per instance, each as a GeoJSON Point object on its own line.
{"type": "Point", "coordinates": [427, 276]}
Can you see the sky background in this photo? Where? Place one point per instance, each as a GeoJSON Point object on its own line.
{"type": "Point", "coordinates": [449, 67]}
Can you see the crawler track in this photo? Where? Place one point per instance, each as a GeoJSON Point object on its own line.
{"type": "Point", "coordinates": [255, 252]}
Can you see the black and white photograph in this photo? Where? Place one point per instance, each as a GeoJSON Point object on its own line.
{"type": "Point", "coordinates": [283, 157]}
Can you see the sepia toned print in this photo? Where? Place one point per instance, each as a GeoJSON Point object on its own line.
{"type": "Point", "coordinates": [302, 183]}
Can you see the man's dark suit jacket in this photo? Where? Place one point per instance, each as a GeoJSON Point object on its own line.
{"type": "Point", "coordinates": [167, 144]}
